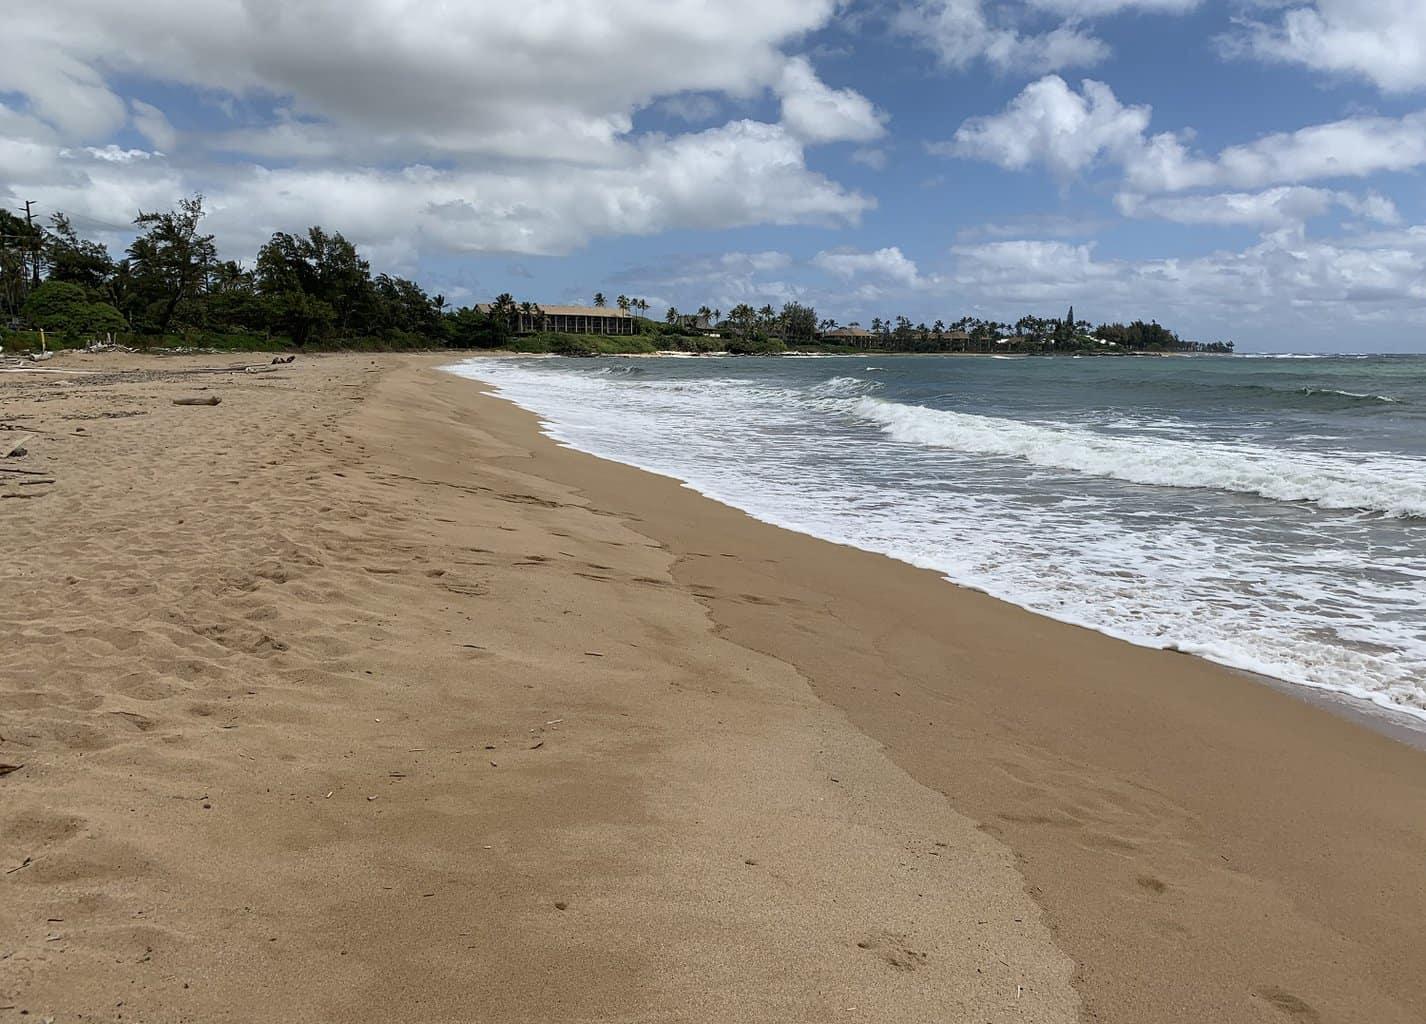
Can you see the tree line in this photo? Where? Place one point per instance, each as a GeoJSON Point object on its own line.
{"type": "Point", "coordinates": [315, 287]}
{"type": "Point", "coordinates": [1028, 334]}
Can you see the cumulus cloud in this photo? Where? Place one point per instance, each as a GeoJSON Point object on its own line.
{"type": "Point", "coordinates": [1050, 123]}
{"type": "Point", "coordinates": [153, 124]}
{"type": "Point", "coordinates": [818, 113]}
{"type": "Point", "coordinates": [961, 32]}
{"type": "Point", "coordinates": [1271, 209]}
{"type": "Point", "coordinates": [746, 172]}
{"type": "Point", "coordinates": [1070, 132]}
{"type": "Point", "coordinates": [1101, 8]}
{"type": "Point", "coordinates": [1382, 41]}
{"type": "Point", "coordinates": [888, 265]}
{"type": "Point", "coordinates": [481, 125]}
{"type": "Point", "coordinates": [719, 280]}
{"type": "Point", "coordinates": [1354, 147]}
{"type": "Point", "coordinates": [1334, 285]}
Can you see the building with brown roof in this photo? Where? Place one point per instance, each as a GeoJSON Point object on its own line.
{"type": "Point", "coordinates": [572, 320]}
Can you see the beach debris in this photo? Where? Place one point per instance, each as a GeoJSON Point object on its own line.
{"type": "Point", "coordinates": [6, 769]}
{"type": "Point", "coordinates": [23, 864]}
{"type": "Point", "coordinates": [208, 400]}
{"type": "Point", "coordinates": [15, 449]}
{"type": "Point", "coordinates": [594, 654]}
{"type": "Point", "coordinates": [282, 360]}
{"type": "Point", "coordinates": [561, 905]}
{"type": "Point", "coordinates": [536, 745]}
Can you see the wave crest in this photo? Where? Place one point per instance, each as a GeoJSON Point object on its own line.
{"type": "Point", "coordinates": [1394, 487]}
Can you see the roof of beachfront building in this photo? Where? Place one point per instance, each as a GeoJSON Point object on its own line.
{"type": "Point", "coordinates": [567, 310]}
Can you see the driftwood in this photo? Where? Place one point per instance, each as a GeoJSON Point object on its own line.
{"type": "Point", "coordinates": [210, 400]}
{"type": "Point", "coordinates": [15, 448]}
{"type": "Point", "coordinates": [28, 472]}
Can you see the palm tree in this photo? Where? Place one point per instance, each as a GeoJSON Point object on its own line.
{"type": "Point", "coordinates": [623, 303]}
{"type": "Point", "coordinates": [672, 315]}
{"type": "Point", "coordinates": [644, 306]}
{"type": "Point", "coordinates": [599, 300]}
{"type": "Point", "coordinates": [717, 316]}
{"type": "Point", "coordinates": [503, 310]}
{"type": "Point", "coordinates": [705, 315]}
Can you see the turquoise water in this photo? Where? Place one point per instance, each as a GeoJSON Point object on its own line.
{"type": "Point", "coordinates": [1268, 513]}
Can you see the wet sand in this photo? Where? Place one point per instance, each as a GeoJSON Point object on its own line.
{"type": "Point", "coordinates": [1207, 847]}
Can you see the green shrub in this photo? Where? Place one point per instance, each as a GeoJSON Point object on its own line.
{"type": "Point", "coordinates": [756, 347]}
{"type": "Point", "coordinates": [66, 309]}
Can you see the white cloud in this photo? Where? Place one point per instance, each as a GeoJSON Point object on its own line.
{"type": "Point", "coordinates": [692, 107]}
{"type": "Point", "coordinates": [473, 77]}
{"type": "Point", "coordinates": [1050, 123]}
{"type": "Point", "coordinates": [720, 281]}
{"type": "Point", "coordinates": [1275, 208]}
{"type": "Point", "coordinates": [1101, 8]}
{"type": "Point", "coordinates": [152, 124]}
{"type": "Point", "coordinates": [960, 33]}
{"type": "Point", "coordinates": [1351, 148]}
{"type": "Point", "coordinates": [527, 111]}
{"type": "Point", "coordinates": [889, 265]}
{"type": "Point", "coordinates": [743, 173]}
{"type": "Point", "coordinates": [1283, 279]}
{"type": "Point", "coordinates": [1382, 41]}
{"type": "Point", "coordinates": [818, 113]}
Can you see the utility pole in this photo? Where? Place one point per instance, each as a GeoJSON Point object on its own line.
{"type": "Point", "coordinates": [34, 244]}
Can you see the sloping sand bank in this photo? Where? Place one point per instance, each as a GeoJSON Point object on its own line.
{"type": "Point", "coordinates": [333, 702]}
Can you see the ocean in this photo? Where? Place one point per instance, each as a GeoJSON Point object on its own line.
{"type": "Point", "coordinates": [1266, 512]}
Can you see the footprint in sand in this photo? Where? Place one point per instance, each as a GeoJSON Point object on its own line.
{"type": "Point", "coordinates": [892, 947]}
{"type": "Point", "coordinates": [1289, 1005]}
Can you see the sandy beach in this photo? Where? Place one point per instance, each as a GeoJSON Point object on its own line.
{"type": "Point", "coordinates": [353, 698]}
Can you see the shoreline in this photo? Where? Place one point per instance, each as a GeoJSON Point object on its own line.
{"type": "Point", "coordinates": [1405, 724]}
{"type": "Point", "coordinates": [1157, 801]}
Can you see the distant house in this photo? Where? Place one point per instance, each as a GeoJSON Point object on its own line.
{"type": "Point", "coordinates": [573, 320]}
{"type": "Point", "coordinates": [858, 336]}
{"type": "Point", "coordinates": [695, 322]}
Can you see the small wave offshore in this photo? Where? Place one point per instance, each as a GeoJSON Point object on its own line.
{"type": "Point", "coordinates": [1394, 487]}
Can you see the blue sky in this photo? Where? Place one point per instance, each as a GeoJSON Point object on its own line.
{"type": "Point", "coordinates": [1245, 169]}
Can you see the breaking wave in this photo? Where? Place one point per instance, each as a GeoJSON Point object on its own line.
{"type": "Point", "coordinates": [1395, 487]}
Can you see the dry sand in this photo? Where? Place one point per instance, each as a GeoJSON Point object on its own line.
{"type": "Point", "coordinates": [329, 709]}
{"type": "Point", "coordinates": [600, 749]}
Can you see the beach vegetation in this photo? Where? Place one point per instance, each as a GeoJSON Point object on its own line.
{"type": "Point", "coordinates": [314, 289]}
{"type": "Point", "coordinates": [70, 311]}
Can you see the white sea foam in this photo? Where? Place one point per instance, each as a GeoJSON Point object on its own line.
{"type": "Point", "coordinates": [1351, 394]}
{"type": "Point", "coordinates": [960, 495]}
{"type": "Point", "coordinates": [1391, 486]}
